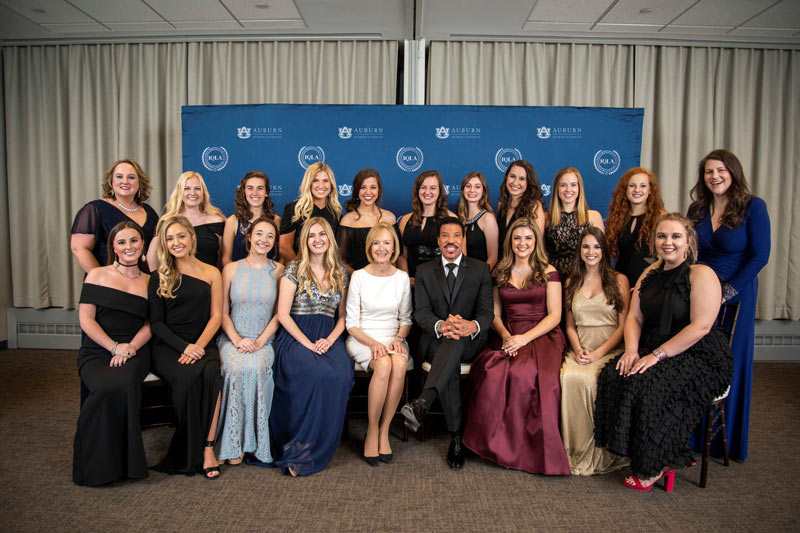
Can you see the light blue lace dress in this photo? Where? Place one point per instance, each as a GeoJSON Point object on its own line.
{"type": "Point", "coordinates": [248, 384]}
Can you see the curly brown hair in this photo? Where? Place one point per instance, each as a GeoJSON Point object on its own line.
{"type": "Point", "coordinates": [738, 193]}
{"type": "Point", "coordinates": [243, 211]}
{"type": "Point", "coordinates": [619, 211]}
{"type": "Point", "coordinates": [608, 276]}
{"type": "Point", "coordinates": [532, 194]}
{"type": "Point", "coordinates": [416, 204]}
{"type": "Point", "coordinates": [144, 181]}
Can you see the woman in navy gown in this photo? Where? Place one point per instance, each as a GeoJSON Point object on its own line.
{"type": "Point", "coordinates": [313, 373]}
{"type": "Point", "coordinates": [733, 233]}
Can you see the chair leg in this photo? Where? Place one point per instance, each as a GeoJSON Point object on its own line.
{"type": "Point", "coordinates": [724, 433]}
{"type": "Point", "coordinates": [405, 401]}
{"type": "Point", "coordinates": [706, 445]}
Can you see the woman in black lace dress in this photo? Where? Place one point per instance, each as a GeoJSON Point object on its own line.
{"type": "Point", "coordinates": [568, 216]}
{"type": "Point", "coordinates": [650, 398]}
{"type": "Point", "coordinates": [635, 206]}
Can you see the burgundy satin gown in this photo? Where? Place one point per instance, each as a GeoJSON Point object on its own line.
{"type": "Point", "coordinates": [514, 403]}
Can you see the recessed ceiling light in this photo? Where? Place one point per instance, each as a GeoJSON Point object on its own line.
{"type": "Point", "coordinates": [39, 10]}
{"type": "Point", "coordinates": [262, 5]}
{"type": "Point", "coordinates": [646, 10]}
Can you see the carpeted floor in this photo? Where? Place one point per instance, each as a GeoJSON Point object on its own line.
{"type": "Point", "coordinates": [39, 407]}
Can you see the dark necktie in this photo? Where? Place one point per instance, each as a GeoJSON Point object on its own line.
{"type": "Point", "coordinates": [451, 278]}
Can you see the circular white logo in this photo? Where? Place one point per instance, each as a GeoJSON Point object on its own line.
{"type": "Point", "coordinates": [506, 156]}
{"type": "Point", "coordinates": [215, 158]}
{"type": "Point", "coordinates": [308, 155]}
{"type": "Point", "coordinates": [409, 158]}
{"type": "Point", "coordinates": [606, 161]}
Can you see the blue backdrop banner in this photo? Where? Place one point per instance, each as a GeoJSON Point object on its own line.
{"type": "Point", "coordinates": [223, 143]}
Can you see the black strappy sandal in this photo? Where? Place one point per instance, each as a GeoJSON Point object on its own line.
{"type": "Point", "coordinates": [211, 469]}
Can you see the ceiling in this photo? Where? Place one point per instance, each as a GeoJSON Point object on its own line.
{"type": "Point", "coordinates": [742, 22]}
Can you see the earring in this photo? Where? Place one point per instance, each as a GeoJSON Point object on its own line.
{"type": "Point", "coordinates": [113, 194]}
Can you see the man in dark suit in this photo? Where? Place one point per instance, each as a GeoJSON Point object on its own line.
{"type": "Point", "coordinates": [454, 308]}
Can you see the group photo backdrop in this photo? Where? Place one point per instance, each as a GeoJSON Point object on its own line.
{"type": "Point", "coordinates": [224, 142]}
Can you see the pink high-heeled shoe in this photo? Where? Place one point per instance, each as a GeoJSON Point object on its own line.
{"type": "Point", "coordinates": [636, 484]}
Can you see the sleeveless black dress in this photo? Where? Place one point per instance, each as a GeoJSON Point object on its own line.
{"type": "Point", "coordinates": [422, 243]}
{"type": "Point", "coordinates": [208, 236]}
{"type": "Point", "coordinates": [631, 258]}
{"type": "Point", "coordinates": [176, 323]}
{"type": "Point", "coordinates": [649, 417]}
{"type": "Point", "coordinates": [476, 240]}
{"type": "Point", "coordinates": [108, 441]}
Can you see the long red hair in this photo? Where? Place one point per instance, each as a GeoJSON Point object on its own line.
{"type": "Point", "coordinates": [619, 210]}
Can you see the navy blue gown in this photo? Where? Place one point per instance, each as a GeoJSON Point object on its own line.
{"type": "Point", "coordinates": [737, 255]}
{"type": "Point", "coordinates": [311, 390]}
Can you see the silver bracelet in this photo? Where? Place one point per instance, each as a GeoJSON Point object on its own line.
{"type": "Point", "coordinates": [660, 354]}
{"type": "Point", "coordinates": [114, 349]}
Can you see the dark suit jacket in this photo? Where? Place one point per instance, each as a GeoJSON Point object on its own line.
{"type": "Point", "coordinates": [472, 297]}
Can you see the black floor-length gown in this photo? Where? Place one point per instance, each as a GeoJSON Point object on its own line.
{"type": "Point", "coordinates": [176, 323]}
{"type": "Point", "coordinates": [108, 441]}
{"type": "Point", "coordinates": [649, 417]}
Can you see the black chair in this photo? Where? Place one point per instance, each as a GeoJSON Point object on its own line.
{"type": "Point", "coordinates": [715, 412]}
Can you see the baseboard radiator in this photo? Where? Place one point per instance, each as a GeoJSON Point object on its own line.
{"type": "Point", "coordinates": [58, 329]}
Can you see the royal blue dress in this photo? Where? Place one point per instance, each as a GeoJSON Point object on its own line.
{"type": "Point", "coordinates": [311, 390]}
{"type": "Point", "coordinates": [737, 255]}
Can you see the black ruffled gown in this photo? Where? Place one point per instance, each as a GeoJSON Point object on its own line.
{"type": "Point", "coordinates": [649, 417]}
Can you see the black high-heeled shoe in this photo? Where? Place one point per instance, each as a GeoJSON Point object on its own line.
{"type": "Point", "coordinates": [210, 469]}
{"type": "Point", "coordinates": [386, 457]}
{"type": "Point", "coordinates": [371, 460]}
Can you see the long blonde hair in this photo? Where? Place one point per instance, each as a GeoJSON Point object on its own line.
{"type": "Point", "coordinates": [305, 203]}
{"type": "Point", "coordinates": [175, 206]}
{"type": "Point", "coordinates": [334, 271]}
{"type": "Point", "coordinates": [169, 278]}
{"type": "Point", "coordinates": [581, 209]}
{"type": "Point", "coordinates": [537, 260]}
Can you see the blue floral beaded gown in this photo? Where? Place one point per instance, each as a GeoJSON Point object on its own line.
{"type": "Point", "coordinates": [311, 390]}
{"type": "Point", "coordinates": [737, 255]}
{"type": "Point", "coordinates": [247, 386]}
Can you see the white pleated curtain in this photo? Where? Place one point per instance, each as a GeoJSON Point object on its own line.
{"type": "Point", "coordinates": [71, 110]}
{"type": "Point", "coordinates": [695, 99]}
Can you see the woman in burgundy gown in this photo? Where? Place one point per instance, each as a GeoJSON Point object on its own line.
{"type": "Point", "coordinates": [514, 389]}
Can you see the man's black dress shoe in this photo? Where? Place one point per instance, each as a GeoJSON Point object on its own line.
{"type": "Point", "coordinates": [414, 413]}
{"type": "Point", "coordinates": [455, 455]}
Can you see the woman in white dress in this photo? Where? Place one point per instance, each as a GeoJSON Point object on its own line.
{"type": "Point", "coordinates": [378, 321]}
